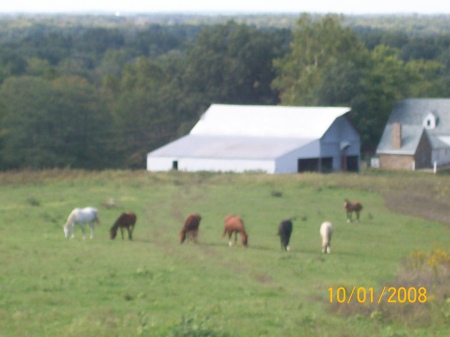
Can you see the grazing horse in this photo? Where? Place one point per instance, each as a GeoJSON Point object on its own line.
{"type": "Point", "coordinates": [326, 231]}
{"type": "Point", "coordinates": [284, 232]}
{"type": "Point", "coordinates": [190, 228]}
{"type": "Point", "coordinates": [234, 224]}
{"type": "Point", "coordinates": [81, 217]}
{"type": "Point", "coordinates": [125, 220]}
{"type": "Point", "coordinates": [350, 207]}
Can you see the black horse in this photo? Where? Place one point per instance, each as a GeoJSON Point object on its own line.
{"type": "Point", "coordinates": [284, 231]}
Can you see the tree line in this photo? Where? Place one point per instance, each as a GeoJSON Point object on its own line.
{"type": "Point", "coordinates": [86, 96]}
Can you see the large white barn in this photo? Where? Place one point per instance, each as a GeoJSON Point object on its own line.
{"type": "Point", "coordinates": [272, 139]}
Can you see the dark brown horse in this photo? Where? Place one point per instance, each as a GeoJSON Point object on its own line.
{"type": "Point", "coordinates": [234, 224]}
{"type": "Point", "coordinates": [125, 220]}
{"type": "Point", "coordinates": [350, 207]}
{"type": "Point", "coordinates": [190, 228]}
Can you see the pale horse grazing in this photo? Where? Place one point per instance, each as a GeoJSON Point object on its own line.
{"type": "Point", "coordinates": [81, 217]}
{"type": "Point", "coordinates": [326, 231]}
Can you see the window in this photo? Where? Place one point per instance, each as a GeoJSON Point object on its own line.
{"type": "Point", "coordinates": [430, 121]}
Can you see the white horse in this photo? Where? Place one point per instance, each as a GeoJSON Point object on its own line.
{"type": "Point", "coordinates": [81, 217]}
{"type": "Point", "coordinates": [326, 231]}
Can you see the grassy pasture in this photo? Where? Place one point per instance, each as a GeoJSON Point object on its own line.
{"type": "Point", "coordinates": [153, 286]}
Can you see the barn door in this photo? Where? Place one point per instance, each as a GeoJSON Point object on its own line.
{"type": "Point", "coordinates": [343, 163]}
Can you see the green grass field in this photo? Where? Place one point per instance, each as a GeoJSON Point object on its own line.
{"type": "Point", "coordinates": [153, 286]}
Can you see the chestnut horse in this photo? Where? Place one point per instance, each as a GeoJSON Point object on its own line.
{"type": "Point", "coordinates": [350, 207]}
{"type": "Point", "coordinates": [234, 224]}
{"type": "Point", "coordinates": [190, 228]}
{"type": "Point", "coordinates": [125, 220]}
{"type": "Point", "coordinates": [80, 217]}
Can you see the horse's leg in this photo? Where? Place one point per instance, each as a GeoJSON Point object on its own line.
{"type": "Point", "coordinates": [349, 216]}
{"type": "Point", "coordinates": [230, 241]}
{"type": "Point", "coordinates": [357, 216]}
{"type": "Point", "coordinates": [82, 230]}
{"type": "Point", "coordinates": [121, 231]}
{"type": "Point", "coordinates": [91, 225]}
{"type": "Point", "coordinates": [195, 235]}
{"type": "Point", "coordinates": [129, 232]}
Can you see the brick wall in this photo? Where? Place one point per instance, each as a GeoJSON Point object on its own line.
{"type": "Point", "coordinates": [396, 162]}
{"type": "Point", "coordinates": [421, 159]}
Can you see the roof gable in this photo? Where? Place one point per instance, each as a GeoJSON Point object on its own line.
{"type": "Point", "coordinates": [267, 121]}
{"type": "Point", "coordinates": [416, 115]}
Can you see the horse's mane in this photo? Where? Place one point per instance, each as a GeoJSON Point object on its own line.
{"type": "Point", "coordinates": [71, 218]}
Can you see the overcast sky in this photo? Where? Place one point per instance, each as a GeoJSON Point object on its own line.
{"type": "Point", "coordinates": [229, 6]}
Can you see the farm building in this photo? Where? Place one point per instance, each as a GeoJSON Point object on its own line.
{"type": "Point", "coordinates": [272, 139]}
{"type": "Point", "coordinates": [417, 135]}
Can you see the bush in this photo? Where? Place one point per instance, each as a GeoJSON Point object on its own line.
{"type": "Point", "coordinates": [430, 272]}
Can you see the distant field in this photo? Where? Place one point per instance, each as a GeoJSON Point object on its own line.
{"type": "Point", "coordinates": [153, 286]}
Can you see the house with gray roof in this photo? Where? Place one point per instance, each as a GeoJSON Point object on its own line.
{"type": "Point", "coordinates": [272, 139]}
{"type": "Point", "coordinates": [417, 135]}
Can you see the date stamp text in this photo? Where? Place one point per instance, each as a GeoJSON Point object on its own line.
{"type": "Point", "coordinates": [387, 294]}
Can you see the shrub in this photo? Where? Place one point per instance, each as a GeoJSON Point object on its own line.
{"type": "Point", "coordinates": [419, 270]}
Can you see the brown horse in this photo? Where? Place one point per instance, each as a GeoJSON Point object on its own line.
{"type": "Point", "coordinates": [125, 220]}
{"type": "Point", "coordinates": [234, 224]}
{"type": "Point", "coordinates": [350, 207]}
{"type": "Point", "coordinates": [190, 228]}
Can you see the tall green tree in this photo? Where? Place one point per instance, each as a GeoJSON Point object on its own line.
{"type": "Point", "coordinates": [232, 63]}
{"type": "Point", "coordinates": [385, 80]}
{"type": "Point", "coordinates": [144, 110]}
{"type": "Point", "coordinates": [53, 124]}
{"type": "Point", "coordinates": [328, 66]}
{"type": "Point", "coordinates": [317, 47]}
{"type": "Point", "coordinates": [11, 64]}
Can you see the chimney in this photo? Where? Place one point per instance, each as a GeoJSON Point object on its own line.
{"type": "Point", "coordinates": [396, 135]}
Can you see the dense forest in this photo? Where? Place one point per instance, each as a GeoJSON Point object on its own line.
{"type": "Point", "coordinates": [97, 91]}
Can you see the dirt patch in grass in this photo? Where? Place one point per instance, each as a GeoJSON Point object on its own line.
{"type": "Point", "coordinates": [418, 204]}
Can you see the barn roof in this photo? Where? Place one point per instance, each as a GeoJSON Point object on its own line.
{"type": "Point", "coordinates": [252, 132]}
{"type": "Point", "coordinates": [230, 147]}
{"type": "Point", "coordinates": [411, 114]}
{"type": "Point", "coordinates": [267, 121]}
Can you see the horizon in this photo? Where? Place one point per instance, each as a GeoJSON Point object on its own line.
{"type": "Point", "coordinates": [232, 7]}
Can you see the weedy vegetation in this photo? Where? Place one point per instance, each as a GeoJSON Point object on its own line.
{"type": "Point", "coordinates": [154, 286]}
